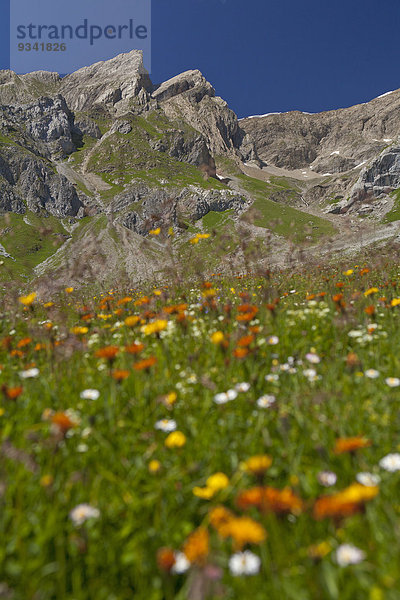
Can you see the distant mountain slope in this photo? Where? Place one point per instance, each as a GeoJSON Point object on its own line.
{"type": "Point", "coordinates": [92, 164]}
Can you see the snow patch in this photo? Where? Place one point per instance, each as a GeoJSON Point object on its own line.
{"type": "Point", "coordinates": [386, 94]}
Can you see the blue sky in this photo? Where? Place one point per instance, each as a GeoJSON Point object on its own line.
{"type": "Point", "coordinates": [275, 55]}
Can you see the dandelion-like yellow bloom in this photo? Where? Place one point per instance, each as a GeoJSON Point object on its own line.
{"type": "Point", "coordinates": [155, 231]}
{"type": "Point", "coordinates": [395, 302]}
{"type": "Point", "coordinates": [206, 493]}
{"type": "Point", "coordinates": [155, 326]}
{"type": "Point", "coordinates": [29, 299]}
{"type": "Point", "coordinates": [154, 466]}
{"type": "Point", "coordinates": [69, 290]}
{"type": "Point", "coordinates": [217, 482]}
{"type": "Point", "coordinates": [78, 330]}
{"type": "Point", "coordinates": [132, 320]}
{"type": "Point", "coordinates": [176, 439]}
{"type": "Point", "coordinates": [258, 464]}
{"type": "Point", "coordinates": [217, 337]}
{"type": "Point", "coordinates": [370, 291]}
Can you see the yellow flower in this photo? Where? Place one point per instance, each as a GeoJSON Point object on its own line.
{"type": "Point", "coordinates": [194, 240]}
{"type": "Point", "coordinates": [154, 466]}
{"type": "Point", "coordinates": [46, 480]}
{"type": "Point", "coordinates": [29, 299]}
{"type": "Point", "coordinates": [203, 236]}
{"type": "Point", "coordinates": [258, 464]}
{"type": "Point", "coordinates": [217, 337]}
{"type": "Point", "coordinates": [218, 481]}
{"type": "Point", "coordinates": [155, 326]}
{"type": "Point", "coordinates": [48, 304]}
{"type": "Point", "coordinates": [395, 302]}
{"type": "Point", "coordinates": [206, 493]}
{"type": "Point", "coordinates": [372, 290]}
{"type": "Point", "coordinates": [176, 439]}
{"type": "Point", "coordinates": [132, 320]}
{"type": "Point", "coordinates": [155, 231]}
{"type": "Point", "coordinates": [319, 550]}
{"type": "Point", "coordinates": [69, 290]}
{"type": "Point", "coordinates": [79, 330]}
{"type": "Point", "coordinates": [170, 398]}
{"type": "Point", "coordinates": [349, 272]}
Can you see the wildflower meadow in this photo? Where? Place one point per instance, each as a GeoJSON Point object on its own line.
{"type": "Point", "coordinates": [234, 437]}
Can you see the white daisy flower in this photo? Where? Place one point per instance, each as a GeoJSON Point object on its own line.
{"type": "Point", "coordinates": [273, 340]}
{"type": "Point", "coordinates": [368, 479]}
{"type": "Point", "coordinates": [271, 377]}
{"type": "Point", "coordinates": [231, 394]}
{"type": "Point", "coordinates": [347, 554]}
{"type": "Point", "coordinates": [244, 563]}
{"type": "Point", "coordinates": [392, 381]}
{"type": "Point", "coordinates": [242, 387]}
{"type": "Point", "coordinates": [221, 398]}
{"type": "Point", "coordinates": [90, 394]}
{"type": "Point", "coordinates": [82, 512]}
{"type": "Point", "coordinates": [266, 401]}
{"type": "Point", "coordinates": [390, 462]}
{"type": "Point", "coordinates": [371, 373]}
{"type": "Point", "coordinates": [29, 373]}
{"type": "Point", "coordinates": [166, 425]}
{"type": "Point", "coordinates": [181, 564]}
{"type": "Point", "coordinates": [327, 478]}
{"type": "Point", "coordinates": [313, 358]}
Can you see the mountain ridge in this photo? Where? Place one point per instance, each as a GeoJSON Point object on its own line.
{"type": "Point", "coordinates": [105, 142]}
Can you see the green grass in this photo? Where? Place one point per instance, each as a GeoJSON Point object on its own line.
{"type": "Point", "coordinates": [394, 213]}
{"type": "Point", "coordinates": [28, 243]}
{"type": "Point", "coordinates": [107, 457]}
{"type": "Point", "coordinates": [282, 219]}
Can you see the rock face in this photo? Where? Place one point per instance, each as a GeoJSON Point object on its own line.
{"type": "Point", "coordinates": [172, 207]}
{"type": "Point", "coordinates": [355, 149]}
{"type": "Point", "coordinates": [28, 182]}
{"type": "Point", "coordinates": [191, 97]}
{"type": "Point", "coordinates": [125, 126]}
{"type": "Point", "coordinates": [336, 140]}
{"type": "Point", "coordinates": [108, 82]}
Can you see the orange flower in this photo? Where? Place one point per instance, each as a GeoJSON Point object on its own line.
{"type": "Point", "coordinates": [134, 348]}
{"type": "Point", "coordinates": [165, 558]}
{"type": "Point", "coordinates": [350, 444]}
{"type": "Point", "coordinates": [108, 352]}
{"type": "Point", "coordinates": [370, 310]}
{"type": "Point", "coordinates": [240, 352]}
{"type": "Point", "coordinates": [24, 342]}
{"type": "Point", "coordinates": [11, 393]}
{"type": "Point", "coordinates": [196, 547]}
{"type": "Point", "coordinates": [120, 374]}
{"type": "Point", "coordinates": [269, 499]}
{"type": "Point", "coordinates": [62, 422]}
{"type": "Point", "coordinates": [145, 364]}
{"type": "Point", "coordinates": [352, 359]}
{"type": "Point", "coordinates": [245, 341]}
{"type": "Point", "coordinates": [219, 516]}
{"type": "Point", "coordinates": [345, 503]}
{"type": "Point", "coordinates": [243, 530]}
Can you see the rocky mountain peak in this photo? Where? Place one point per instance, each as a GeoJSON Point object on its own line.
{"type": "Point", "coordinates": [106, 82]}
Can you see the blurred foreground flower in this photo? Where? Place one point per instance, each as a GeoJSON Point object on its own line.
{"type": "Point", "coordinates": [82, 513]}
{"type": "Point", "coordinates": [244, 563]}
{"type": "Point", "coordinates": [346, 554]}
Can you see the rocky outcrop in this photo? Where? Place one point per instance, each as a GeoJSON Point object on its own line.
{"type": "Point", "coordinates": [119, 80]}
{"type": "Point", "coordinates": [27, 181]}
{"type": "Point", "coordinates": [190, 97]}
{"type": "Point", "coordinates": [328, 142]}
{"type": "Point", "coordinates": [141, 208]}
